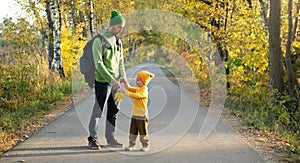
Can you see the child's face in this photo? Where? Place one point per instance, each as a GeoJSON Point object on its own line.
{"type": "Point", "coordinates": [139, 82]}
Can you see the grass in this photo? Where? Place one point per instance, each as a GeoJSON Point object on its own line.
{"type": "Point", "coordinates": [264, 115]}
{"type": "Point", "coordinates": [17, 123]}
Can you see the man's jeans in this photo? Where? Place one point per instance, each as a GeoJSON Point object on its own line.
{"type": "Point", "coordinates": [104, 96]}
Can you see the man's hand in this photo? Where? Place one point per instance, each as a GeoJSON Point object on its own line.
{"type": "Point", "coordinates": [115, 84]}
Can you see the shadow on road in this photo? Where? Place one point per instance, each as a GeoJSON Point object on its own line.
{"type": "Point", "coordinates": [59, 151]}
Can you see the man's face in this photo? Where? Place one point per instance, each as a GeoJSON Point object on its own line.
{"type": "Point", "coordinates": [116, 29]}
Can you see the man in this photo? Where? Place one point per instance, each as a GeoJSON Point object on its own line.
{"type": "Point", "coordinates": [109, 69]}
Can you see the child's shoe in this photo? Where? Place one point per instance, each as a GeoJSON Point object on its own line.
{"type": "Point", "coordinates": [145, 149]}
{"type": "Point", "coordinates": [130, 148]}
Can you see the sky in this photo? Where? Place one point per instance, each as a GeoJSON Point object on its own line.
{"type": "Point", "coordinates": [9, 8]}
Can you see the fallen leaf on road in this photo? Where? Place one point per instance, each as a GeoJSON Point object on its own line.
{"type": "Point", "coordinates": [262, 139]}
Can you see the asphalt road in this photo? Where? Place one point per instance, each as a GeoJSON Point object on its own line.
{"type": "Point", "coordinates": [174, 126]}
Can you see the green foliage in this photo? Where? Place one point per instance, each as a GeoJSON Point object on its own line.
{"type": "Point", "coordinates": [262, 113]}
{"type": "Point", "coordinates": [24, 103]}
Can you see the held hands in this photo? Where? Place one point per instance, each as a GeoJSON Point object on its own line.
{"type": "Point", "coordinates": [116, 84]}
{"type": "Point", "coordinates": [123, 80]}
{"type": "Point", "coordinates": [125, 83]}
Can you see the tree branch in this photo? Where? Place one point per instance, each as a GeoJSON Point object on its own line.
{"type": "Point", "coordinates": [296, 21]}
{"type": "Point", "coordinates": [264, 12]}
{"type": "Point", "coordinates": [206, 2]}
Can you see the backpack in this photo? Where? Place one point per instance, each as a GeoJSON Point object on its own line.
{"type": "Point", "coordinates": [87, 64]}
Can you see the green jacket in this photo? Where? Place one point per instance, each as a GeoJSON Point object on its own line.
{"type": "Point", "coordinates": [111, 67]}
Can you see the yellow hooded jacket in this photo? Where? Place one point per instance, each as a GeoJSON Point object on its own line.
{"type": "Point", "coordinates": [140, 100]}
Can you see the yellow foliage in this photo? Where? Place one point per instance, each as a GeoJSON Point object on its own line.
{"type": "Point", "coordinates": [240, 30]}
{"type": "Point", "coordinates": [296, 45]}
{"type": "Point", "coordinates": [72, 46]}
{"type": "Point", "coordinates": [119, 96]}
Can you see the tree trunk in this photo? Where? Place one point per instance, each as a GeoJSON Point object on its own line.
{"type": "Point", "coordinates": [292, 79]}
{"type": "Point", "coordinates": [275, 53]}
{"type": "Point", "coordinates": [90, 12]}
{"type": "Point", "coordinates": [57, 21]}
{"type": "Point", "coordinates": [50, 36]}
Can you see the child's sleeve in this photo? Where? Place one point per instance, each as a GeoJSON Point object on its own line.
{"type": "Point", "coordinates": [131, 89]}
{"type": "Point", "coordinates": [137, 94]}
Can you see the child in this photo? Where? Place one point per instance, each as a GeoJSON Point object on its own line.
{"type": "Point", "coordinates": [139, 120]}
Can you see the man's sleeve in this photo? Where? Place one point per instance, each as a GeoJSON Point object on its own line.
{"type": "Point", "coordinates": [99, 63]}
{"type": "Point", "coordinates": [121, 64]}
{"type": "Point", "coordinates": [122, 67]}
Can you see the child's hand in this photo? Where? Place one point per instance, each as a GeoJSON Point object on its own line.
{"type": "Point", "coordinates": [123, 80]}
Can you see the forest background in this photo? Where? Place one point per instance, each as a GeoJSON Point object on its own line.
{"type": "Point", "coordinates": [257, 41]}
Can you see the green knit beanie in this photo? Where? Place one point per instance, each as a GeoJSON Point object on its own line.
{"type": "Point", "coordinates": [116, 18]}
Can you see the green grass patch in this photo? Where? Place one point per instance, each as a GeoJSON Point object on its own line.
{"type": "Point", "coordinates": [15, 121]}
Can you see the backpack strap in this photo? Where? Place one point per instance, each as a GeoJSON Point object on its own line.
{"type": "Point", "coordinates": [119, 43]}
{"type": "Point", "coordinates": [103, 43]}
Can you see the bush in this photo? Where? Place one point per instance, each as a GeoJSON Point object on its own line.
{"type": "Point", "coordinates": [25, 99]}
{"type": "Point", "coordinates": [264, 114]}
